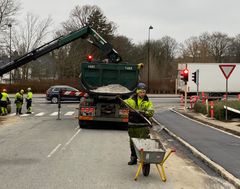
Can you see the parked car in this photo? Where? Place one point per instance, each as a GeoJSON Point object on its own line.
{"type": "Point", "coordinates": [67, 93]}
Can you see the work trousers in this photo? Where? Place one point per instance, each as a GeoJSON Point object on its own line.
{"type": "Point", "coordinates": [3, 105]}
{"type": "Point", "coordinates": [137, 132]}
{"type": "Point", "coordinates": [29, 105]}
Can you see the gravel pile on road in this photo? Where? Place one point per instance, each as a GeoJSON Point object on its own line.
{"type": "Point", "coordinates": [112, 88]}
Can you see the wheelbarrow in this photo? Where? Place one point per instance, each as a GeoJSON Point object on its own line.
{"type": "Point", "coordinates": [150, 151]}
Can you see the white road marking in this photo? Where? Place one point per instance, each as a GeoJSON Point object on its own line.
{"type": "Point", "coordinates": [24, 115]}
{"type": "Point", "coordinates": [12, 114]}
{"type": "Point", "coordinates": [54, 114]}
{"type": "Point", "coordinates": [71, 139]}
{"type": "Point", "coordinates": [54, 150]}
{"type": "Point", "coordinates": [40, 114]}
{"type": "Point", "coordinates": [69, 113]}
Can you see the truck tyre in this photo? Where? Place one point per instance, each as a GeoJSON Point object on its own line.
{"type": "Point", "coordinates": [54, 100]}
{"type": "Point", "coordinates": [146, 169]}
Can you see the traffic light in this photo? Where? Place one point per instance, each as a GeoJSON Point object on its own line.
{"type": "Point", "coordinates": [195, 76]}
{"type": "Point", "coordinates": [89, 58]}
{"type": "Point", "coordinates": [184, 75]}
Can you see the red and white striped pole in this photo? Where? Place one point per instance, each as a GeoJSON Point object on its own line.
{"type": "Point", "coordinates": [211, 109]}
{"type": "Point", "coordinates": [203, 98]}
{"type": "Point", "coordinates": [181, 100]}
{"type": "Point", "coordinates": [191, 102]}
{"type": "Point", "coordinates": [224, 97]}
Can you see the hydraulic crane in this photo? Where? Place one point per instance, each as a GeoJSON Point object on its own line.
{"type": "Point", "coordinates": [85, 32]}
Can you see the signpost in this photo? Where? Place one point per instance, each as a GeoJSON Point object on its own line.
{"type": "Point", "coordinates": [227, 70]}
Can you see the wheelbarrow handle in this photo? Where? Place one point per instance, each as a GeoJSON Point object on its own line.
{"type": "Point", "coordinates": [146, 119]}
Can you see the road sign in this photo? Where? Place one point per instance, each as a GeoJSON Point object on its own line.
{"type": "Point", "coordinates": [227, 69]}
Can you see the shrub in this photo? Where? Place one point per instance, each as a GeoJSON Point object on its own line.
{"type": "Point", "coordinates": [200, 108]}
{"type": "Point", "coordinates": [219, 111]}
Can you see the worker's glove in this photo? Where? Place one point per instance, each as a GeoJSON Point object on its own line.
{"type": "Point", "coordinates": [149, 113]}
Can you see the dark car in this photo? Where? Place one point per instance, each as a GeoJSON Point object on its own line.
{"type": "Point", "coordinates": [67, 93]}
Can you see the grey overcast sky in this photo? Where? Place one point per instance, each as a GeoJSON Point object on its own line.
{"type": "Point", "coordinates": [179, 19]}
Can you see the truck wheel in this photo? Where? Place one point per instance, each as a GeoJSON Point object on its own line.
{"type": "Point", "coordinates": [146, 169]}
{"type": "Point", "coordinates": [54, 100]}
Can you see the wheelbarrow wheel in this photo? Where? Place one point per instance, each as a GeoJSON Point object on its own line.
{"type": "Point", "coordinates": [146, 169]}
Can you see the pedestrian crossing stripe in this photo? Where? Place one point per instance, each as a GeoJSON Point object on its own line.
{"type": "Point", "coordinates": [54, 114]}
{"type": "Point", "coordinates": [70, 113]}
{"type": "Point", "coordinates": [40, 114]}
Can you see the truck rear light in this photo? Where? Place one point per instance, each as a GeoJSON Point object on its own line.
{"type": "Point", "coordinates": [123, 112]}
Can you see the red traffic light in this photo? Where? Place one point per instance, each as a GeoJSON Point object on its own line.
{"type": "Point", "coordinates": [89, 58]}
{"type": "Point", "coordinates": [184, 74]}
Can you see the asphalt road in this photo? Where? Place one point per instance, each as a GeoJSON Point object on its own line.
{"type": "Point", "coordinates": [39, 151]}
{"type": "Point", "coordinates": [222, 148]}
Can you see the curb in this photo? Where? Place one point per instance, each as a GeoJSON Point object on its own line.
{"type": "Point", "coordinates": [214, 166]}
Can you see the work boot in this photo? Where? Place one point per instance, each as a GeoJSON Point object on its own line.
{"type": "Point", "coordinates": [133, 161]}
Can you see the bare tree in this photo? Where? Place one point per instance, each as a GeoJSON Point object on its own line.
{"type": "Point", "coordinates": [8, 9]}
{"type": "Point", "coordinates": [29, 36]}
{"type": "Point", "coordinates": [218, 46]}
{"type": "Point", "coordinates": [77, 51]}
{"type": "Point", "coordinates": [191, 49]}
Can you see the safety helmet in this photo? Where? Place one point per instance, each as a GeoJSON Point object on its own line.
{"type": "Point", "coordinates": [141, 86]}
{"type": "Point", "coordinates": [29, 89]}
{"type": "Point", "coordinates": [22, 91]}
{"type": "Point", "coordinates": [4, 90]}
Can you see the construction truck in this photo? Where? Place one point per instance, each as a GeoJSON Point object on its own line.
{"type": "Point", "coordinates": [99, 104]}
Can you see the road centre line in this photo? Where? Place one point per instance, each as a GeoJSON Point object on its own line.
{"type": "Point", "coordinates": [71, 139]}
{"type": "Point", "coordinates": [54, 150]}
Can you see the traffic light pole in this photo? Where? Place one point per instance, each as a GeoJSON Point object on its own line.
{"type": "Point", "coordinates": [197, 79]}
{"type": "Point", "coordinates": [185, 98]}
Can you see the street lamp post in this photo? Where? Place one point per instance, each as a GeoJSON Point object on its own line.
{"type": "Point", "coordinates": [150, 27]}
{"type": "Point", "coordinates": [10, 48]}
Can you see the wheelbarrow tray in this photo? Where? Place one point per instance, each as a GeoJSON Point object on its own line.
{"type": "Point", "coordinates": [153, 150]}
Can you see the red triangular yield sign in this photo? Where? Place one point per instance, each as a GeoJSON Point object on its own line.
{"type": "Point", "coordinates": [227, 69]}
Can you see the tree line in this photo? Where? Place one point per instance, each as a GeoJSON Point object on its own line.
{"type": "Point", "coordinates": [162, 54]}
